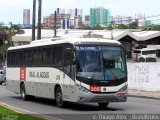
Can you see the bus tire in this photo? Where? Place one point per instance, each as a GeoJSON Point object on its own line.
{"type": "Point", "coordinates": [23, 92]}
{"type": "Point", "coordinates": [59, 98]}
{"type": "Point", "coordinates": [103, 105]}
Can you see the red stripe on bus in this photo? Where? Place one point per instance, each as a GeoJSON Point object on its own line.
{"type": "Point", "coordinates": [23, 73]}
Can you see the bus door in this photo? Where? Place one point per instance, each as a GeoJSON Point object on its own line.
{"type": "Point", "coordinates": [68, 75]}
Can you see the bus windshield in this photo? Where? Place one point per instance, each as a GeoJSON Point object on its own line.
{"type": "Point", "coordinates": [148, 52]}
{"type": "Point", "coordinates": [101, 62]}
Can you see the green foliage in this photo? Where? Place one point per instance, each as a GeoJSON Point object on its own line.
{"type": "Point", "coordinates": [133, 25]}
{"type": "Point", "coordinates": [7, 36]}
{"type": "Point", "coordinates": [15, 27]}
{"type": "Point", "coordinates": [85, 27]}
{"type": "Point", "coordinates": [152, 27]}
{"type": "Point", "coordinates": [122, 26]}
{"type": "Point", "coordinates": [98, 27]}
{"type": "Point", "coordinates": [110, 27]}
{"type": "Point", "coordinates": [7, 114]}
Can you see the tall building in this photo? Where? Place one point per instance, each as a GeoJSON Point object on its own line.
{"type": "Point", "coordinates": [49, 21]}
{"type": "Point", "coordinates": [86, 20]}
{"type": "Point", "coordinates": [140, 18]}
{"type": "Point", "coordinates": [76, 22]}
{"type": "Point", "coordinates": [118, 19]}
{"type": "Point", "coordinates": [26, 16]}
{"type": "Point", "coordinates": [75, 12]}
{"type": "Point", "coordinates": [99, 16]}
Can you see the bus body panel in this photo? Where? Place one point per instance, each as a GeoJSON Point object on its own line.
{"type": "Point", "coordinates": [41, 80]}
{"type": "Point", "coordinates": [38, 83]}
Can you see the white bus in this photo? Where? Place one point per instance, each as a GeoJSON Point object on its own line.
{"type": "Point", "coordinates": [144, 55]}
{"type": "Point", "coordinates": [75, 70]}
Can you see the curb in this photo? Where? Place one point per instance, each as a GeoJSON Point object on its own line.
{"type": "Point", "coordinates": [141, 96]}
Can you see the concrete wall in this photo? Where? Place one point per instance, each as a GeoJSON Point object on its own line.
{"type": "Point", "coordinates": [144, 76]}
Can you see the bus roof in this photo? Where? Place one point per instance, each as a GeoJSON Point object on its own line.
{"type": "Point", "coordinates": [57, 40]}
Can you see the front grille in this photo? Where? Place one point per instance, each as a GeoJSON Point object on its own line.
{"type": "Point", "coordinates": [104, 99]}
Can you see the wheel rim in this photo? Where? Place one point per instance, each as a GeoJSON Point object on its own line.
{"type": "Point", "coordinates": [23, 92]}
{"type": "Point", "coordinates": [59, 99]}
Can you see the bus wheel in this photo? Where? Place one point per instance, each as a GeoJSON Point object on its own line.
{"type": "Point", "coordinates": [23, 92]}
{"type": "Point", "coordinates": [59, 99]}
{"type": "Point", "coordinates": [103, 105]}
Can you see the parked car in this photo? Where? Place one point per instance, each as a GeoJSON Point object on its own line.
{"type": "Point", "coordinates": [2, 76]}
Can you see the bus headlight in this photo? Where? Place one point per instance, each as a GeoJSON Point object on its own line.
{"type": "Point", "coordinates": [122, 91]}
{"type": "Point", "coordinates": [83, 88]}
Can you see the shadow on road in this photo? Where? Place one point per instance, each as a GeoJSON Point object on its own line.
{"type": "Point", "coordinates": [71, 106]}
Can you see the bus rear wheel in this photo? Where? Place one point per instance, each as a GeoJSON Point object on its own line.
{"type": "Point", "coordinates": [103, 105]}
{"type": "Point", "coordinates": [59, 98]}
{"type": "Point", "coordinates": [23, 92]}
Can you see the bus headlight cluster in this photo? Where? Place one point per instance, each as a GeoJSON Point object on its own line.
{"type": "Point", "coordinates": [83, 88]}
{"type": "Point", "coordinates": [121, 92]}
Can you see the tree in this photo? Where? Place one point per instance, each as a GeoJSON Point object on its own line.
{"type": "Point", "coordinates": [110, 27]}
{"type": "Point", "coordinates": [133, 25]}
{"type": "Point", "coordinates": [121, 26]}
{"type": "Point", "coordinates": [97, 27]}
{"type": "Point", "coordinates": [5, 39]}
{"type": "Point", "coordinates": [15, 27]}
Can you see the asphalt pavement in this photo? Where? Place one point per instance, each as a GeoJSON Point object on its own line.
{"type": "Point", "coordinates": [87, 111]}
{"type": "Point", "coordinates": [144, 94]}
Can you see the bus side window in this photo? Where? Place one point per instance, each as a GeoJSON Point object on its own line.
{"type": "Point", "coordinates": [58, 56]}
{"type": "Point", "coordinates": [9, 59]}
{"type": "Point", "coordinates": [47, 57]}
{"type": "Point", "coordinates": [19, 60]}
{"type": "Point", "coordinates": [13, 58]}
{"type": "Point", "coordinates": [28, 57]}
{"type": "Point", "coordinates": [37, 57]}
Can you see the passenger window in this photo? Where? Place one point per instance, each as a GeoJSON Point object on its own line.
{"type": "Point", "coordinates": [9, 59]}
{"type": "Point", "coordinates": [13, 58]}
{"type": "Point", "coordinates": [19, 60]}
{"type": "Point", "coordinates": [28, 57]}
{"type": "Point", "coordinates": [37, 57]}
{"type": "Point", "coordinates": [47, 57]}
{"type": "Point", "coordinates": [58, 56]}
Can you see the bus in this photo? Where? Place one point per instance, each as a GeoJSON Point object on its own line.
{"type": "Point", "coordinates": [74, 70]}
{"type": "Point", "coordinates": [144, 55]}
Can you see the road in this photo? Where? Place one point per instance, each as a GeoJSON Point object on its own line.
{"type": "Point", "coordinates": [74, 111]}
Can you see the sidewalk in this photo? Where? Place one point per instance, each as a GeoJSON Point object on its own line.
{"type": "Point", "coordinates": [143, 94]}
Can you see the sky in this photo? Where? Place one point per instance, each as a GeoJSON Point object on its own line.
{"type": "Point", "coordinates": [12, 10]}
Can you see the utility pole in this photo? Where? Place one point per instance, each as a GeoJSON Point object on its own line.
{"type": "Point", "coordinates": [55, 23]}
{"type": "Point", "coordinates": [3, 45]}
{"type": "Point", "coordinates": [39, 19]}
{"type": "Point", "coordinates": [10, 30]}
{"type": "Point", "coordinates": [33, 20]}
